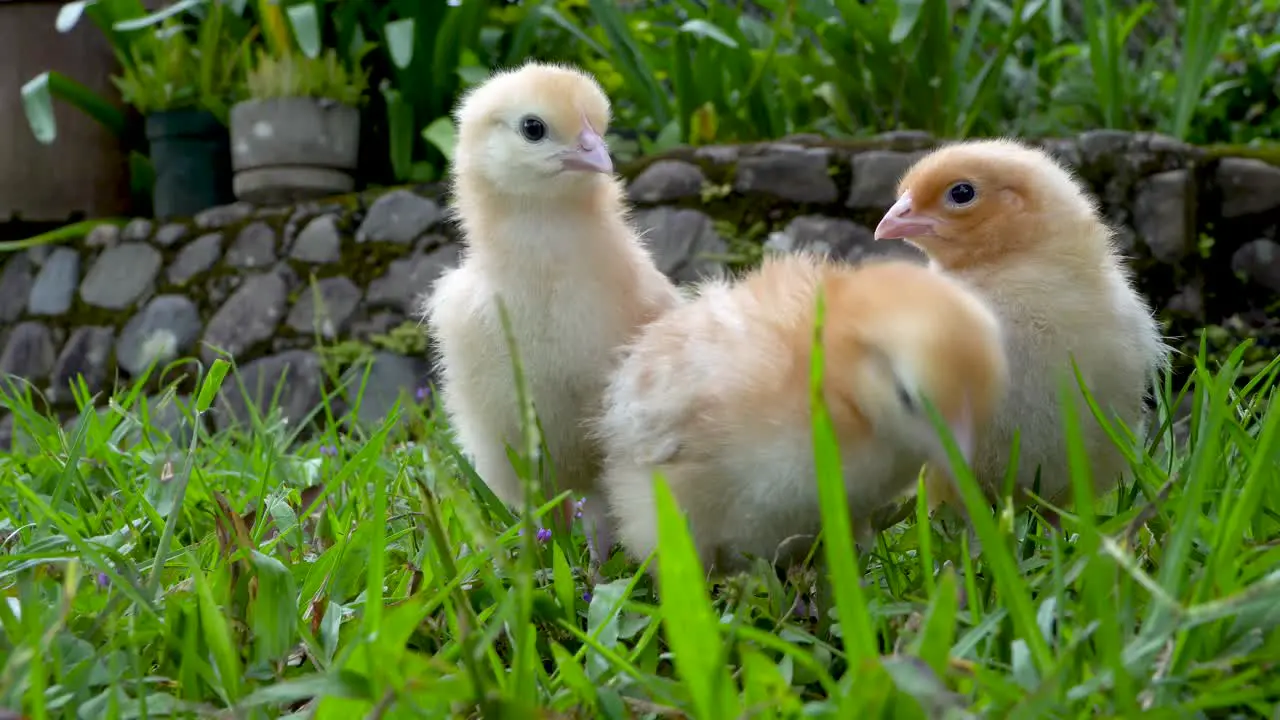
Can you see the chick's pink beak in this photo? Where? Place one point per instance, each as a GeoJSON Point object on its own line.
{"type": "Point", "coordinates": [591, 155]}
{"type": "Point", "coordinates": [901, 222]}
{"type": "Point", "coordinates": [962, 433]}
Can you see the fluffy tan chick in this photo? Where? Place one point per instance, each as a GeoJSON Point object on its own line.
{"type": "Point", "coordinates": [1014, 224]}
{"type": "Point", "coordinates": [715, 395]}
{"type": "Point", "coordinates": [546, 230]}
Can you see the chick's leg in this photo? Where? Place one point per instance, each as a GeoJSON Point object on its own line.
{"type": "Point", "coordinates": [486, 450]}
{"type": "Point", "coordinates": [600, 532]}
{"type": "Point", "coordinates": [1052, 517]}
{"type": "Point", "coordinates": [943, 492]}
{"type": "Point", "coordinates": [865, 534]}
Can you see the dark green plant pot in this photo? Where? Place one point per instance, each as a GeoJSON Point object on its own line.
{"type": "Point", "coordinates": [191, 154]}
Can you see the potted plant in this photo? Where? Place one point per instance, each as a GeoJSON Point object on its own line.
{"type": "Point", "coordinates": [297, 135]}
{"type": "Point", "coordinates": [183, 89]}
{"type": "Point", "coordinates": [177, 84]}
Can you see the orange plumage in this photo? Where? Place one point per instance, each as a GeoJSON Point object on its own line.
{"type": "Point", "coordinates": [1018, 227]}
{"type": "Point", "coordinates": [715, 394]}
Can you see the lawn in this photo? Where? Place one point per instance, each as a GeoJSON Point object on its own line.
{"type": "Point", "coordinates": [355, 573]}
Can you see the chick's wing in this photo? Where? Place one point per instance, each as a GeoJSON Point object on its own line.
{"type": "Point", "coordinates": [671, 381]}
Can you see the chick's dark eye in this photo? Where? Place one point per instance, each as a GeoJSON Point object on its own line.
{"type": "Point", "coordinates": [905, 397]}
{"type": "Point", "coordinates": [962, 193]}
{"type": "Point", "coordinates": [532, 128]}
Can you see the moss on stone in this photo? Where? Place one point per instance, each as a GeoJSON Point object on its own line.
{"type": "Point", "coordinates": [746, 245]}
{"type": "Point", "coordinates": [711, 192]}
{"type": "Point", "coordinates": [366, 262]}
{"type": "Point", "coordinates": [407, 338]}
{"type": "Point", "coordinates": [404, 339]}
{"type": "Point", "coordinates": [336, 358]}
{"type": "Point", "coordinates": [1269, 153]}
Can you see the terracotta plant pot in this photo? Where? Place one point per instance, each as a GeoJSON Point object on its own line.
{"type": "Point", "coordinates": [191, 154]}
{"type": "Point", "coordinates": [285, 150]}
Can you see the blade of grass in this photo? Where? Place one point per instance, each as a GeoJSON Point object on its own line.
{"type": "Point", "coordinates": [857, 628]}
{"type": "Point", "coordinates": [1101, 583]}
{"type": "Point", "coordinates": [691, 627]}
{"type": "Point", "coordinates": [997, 554]}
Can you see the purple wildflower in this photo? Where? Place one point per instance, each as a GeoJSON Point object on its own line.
{"type": "Point", "coordinates": [586, 596]}
{"type": "Point", "coordinates": [329, 450]}
{"type": "Point", "coordinates": [544, 534]}
{"type": "Point", "coordinates": [577, 507]}
{"type": "Point", "coordinates": [422, 394]}
{"type": "Point", "coordinates": [805, 609]}
{"type": "Point", "coordinates": [103, 580]}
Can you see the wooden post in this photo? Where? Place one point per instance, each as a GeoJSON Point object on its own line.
{"type": "Point", "coordinates": [85, 171]}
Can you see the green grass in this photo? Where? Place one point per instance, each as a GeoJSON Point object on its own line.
{"type": "Point", "coordinates": [369, 574]}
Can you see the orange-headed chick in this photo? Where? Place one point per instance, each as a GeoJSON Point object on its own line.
{"type": "Point", "coordinates": [546, 230]}
{"type": "Point", "coordinates": [715, 395]}
{"type": "Point", "coordinates": [1015, 225]}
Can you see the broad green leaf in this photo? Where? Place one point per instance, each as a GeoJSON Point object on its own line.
{"type": "Point", "coordinates": [602, 623]}
{"type": "Point", "coordinates": [305, 21]}
{"type": "Point", "coordinates": [905, 23]}
{"type": "Point", "coordinates": [702, 28]}
{"type": "Point", "coordinates": [337, 684]}
{"type": "Point", "coordinates": [157, 17]}
{"type": "Point", "coordinates": [440, 133]}
{"type": "Point", "coordinates": [217, 635]}
{"type": "Point", "coordinates": [211, 385]}
{"type": "Point", "coordinates": [571, 674]}
{"type": "Point", "coordinates": [70, 13]}
{"type": "Point", "coordinates": [39, 92]}
{"type": "Point", "coordinates": [399, 34]}
{"type": "Point", "coordinates": [275, 615]}
{"type": "Point", "coordinates": [400, 132]}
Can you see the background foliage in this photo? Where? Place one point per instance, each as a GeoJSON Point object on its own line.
{"type": "Point", "coordinates": [1207, 71]}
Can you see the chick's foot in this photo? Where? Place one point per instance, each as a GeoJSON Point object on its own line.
{"type": "Point", "coordinates": [601, 535]}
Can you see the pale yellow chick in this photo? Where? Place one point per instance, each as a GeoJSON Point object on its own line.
{"type": "Point", "coordinates": [546, 229]}
{"type": "Point", "coordinates": [1015, 225]}
{"type": "Point", "coordinates": [715, 395]}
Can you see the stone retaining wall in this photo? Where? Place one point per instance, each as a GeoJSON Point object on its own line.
{"type": "Point", "coordinates": [318, 287]}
